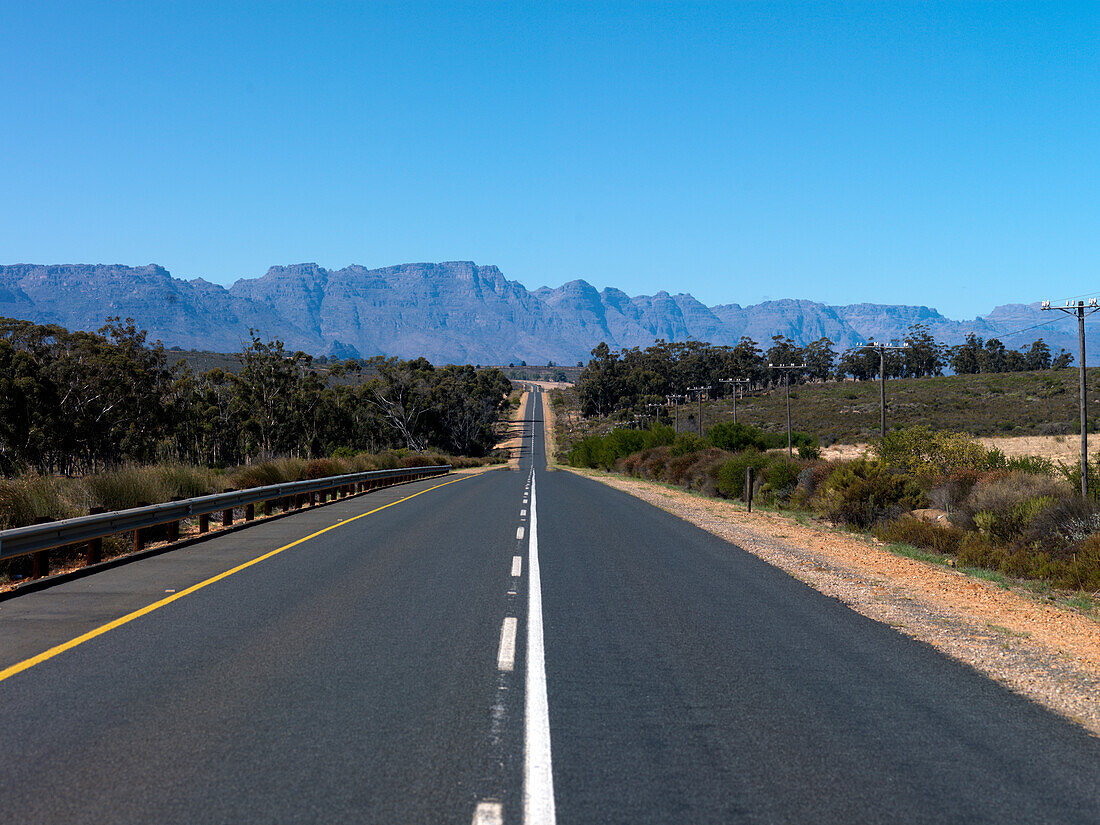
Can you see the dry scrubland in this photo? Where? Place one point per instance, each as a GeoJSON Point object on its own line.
{"type": "Point", "coordinates": [993, 405]}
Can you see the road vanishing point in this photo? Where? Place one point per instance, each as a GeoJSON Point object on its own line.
{"type": "Point", "coordinates": [510, 647]}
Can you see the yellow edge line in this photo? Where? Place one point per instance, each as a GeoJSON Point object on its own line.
{"type": "Point", "coordinates": [26, 664]}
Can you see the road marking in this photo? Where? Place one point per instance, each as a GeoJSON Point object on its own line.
{"type": "Point", "coordinates": [519, 533]}
{"type": "Point", "coordinates": [523, 514]}
{"type": "Point", "coordinates": [517, 565]}
{"type": "Point", "coordinates": [26, 664]}
{"type": "Point", "coordinates": [506, 656]}
{"type": "Point", "coordinates": [489, 813]}
{"type": "Point", "coordinates": [538, 774]}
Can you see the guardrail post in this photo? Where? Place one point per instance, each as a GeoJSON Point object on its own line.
{"type": "Point", "coordinates": [93, 551]}
{"type": "Point", "coordinates": [227, 517]}
{"type": "Point", "coordinates": [249, 512]}
{"type": "Point", "coordinates": [40, 562]}
{"type": "Point", "coordinates": [204, 523]}
{"type": "Point", "coordinates": [174, 527]}
{"type": "Point", "coordinates": [139, 533]}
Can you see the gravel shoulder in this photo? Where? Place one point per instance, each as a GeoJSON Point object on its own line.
{"type": "Point", "coordinates": [1048, 654]}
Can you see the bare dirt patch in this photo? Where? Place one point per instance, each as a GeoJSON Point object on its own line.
{"type": "Point", "coordinates": [1063, 448]}
{"type": "Point", "coordinates": [1048, 654]}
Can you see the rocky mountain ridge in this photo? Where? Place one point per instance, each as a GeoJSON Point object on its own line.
{"type": "Point", "coordinates": [458, 312]}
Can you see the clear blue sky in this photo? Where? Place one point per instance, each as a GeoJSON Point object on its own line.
{"type": "Point", "coordinates": [938, 154]}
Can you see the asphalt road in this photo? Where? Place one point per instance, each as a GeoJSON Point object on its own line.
{"type": "Point", "coordinates": [516, 646]}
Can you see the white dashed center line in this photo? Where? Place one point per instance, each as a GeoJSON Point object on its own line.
{"type": "Point", "coordinates": [519, 533]}
{"type": "Point", "coordinates": [517, 565]}
{"type": "Point", "coordinates": [489, 813]}
{"type": "Point", "coordinates": [506, 657]}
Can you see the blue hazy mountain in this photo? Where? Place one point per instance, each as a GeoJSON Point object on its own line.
{"type": "Point", "coordinates": [458, 312]}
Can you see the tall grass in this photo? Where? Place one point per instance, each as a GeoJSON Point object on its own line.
{"type": "Point", "coordinates": [27, 498]}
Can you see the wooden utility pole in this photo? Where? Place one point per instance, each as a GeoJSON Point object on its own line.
{"type": "Point", "coordinates": [674, 400]}
{"type": "Point", "coordinates": [701, 392]}
{"type": "Point", "coordinates": [736, 382]}
{"type": "Point", "coordinates": [786, 370]}
{"type": "Point", "coordinates": [882, 349]}
{"type": "Point", "coordinates": [1078, 309]}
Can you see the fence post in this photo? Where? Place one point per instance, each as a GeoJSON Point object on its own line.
{"type": "Point", "coordinates": [749, 474]}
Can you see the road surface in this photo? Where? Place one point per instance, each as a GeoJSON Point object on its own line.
{"type": "Point", "coordinates": [511, 647]}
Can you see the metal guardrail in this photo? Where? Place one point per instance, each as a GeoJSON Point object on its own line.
{"type": "Point", "coordinates": [39, 539]}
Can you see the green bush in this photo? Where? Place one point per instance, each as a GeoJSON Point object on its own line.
{"type": "Point", "coordinates": [863, 493]}
{"type": "Point", "coordinates": [945, 540]}
{"type": "Point", "coordinates": [977, 550]}
{"type": "Point", "coordinates": [603, 451]}
{"type": "Point", "coordinates": [1033, 464]}
{"type": "Point", "coordinates": [809, 452]}
{"type": "Point", "coordinates": [921, 450]}
{"type": "Point", "coordinates": [780, 479]}
{"type": "Point", "coordinates": [735, 437]}
{"type": "Point", "coordinates": [730, 479]}
{"type": "Point", "coordinates": [688, 443]}
{"type": "Point", "coordinates": [1003, 506]}
{"type": "Point", "coordinates": [1081, 571]}
{"type": "Point", "coordinates": [1064, 524]}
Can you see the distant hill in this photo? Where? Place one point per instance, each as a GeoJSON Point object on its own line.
{"type": "Point", "coordinates": [458, 312]}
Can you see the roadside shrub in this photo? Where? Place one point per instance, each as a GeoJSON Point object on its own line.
{"type": "Point", "coordinates": [730, 474]}
{"type": "Point", "coordinates": [33, 496]}
{"type": "Point", "coordinates": [656, 461]}
{"type": "Point", "coordinates": [127, 486]}
{"type": "Point", "coordinates": [188, 481]}
{"type": "Point", "coordinates": [735, 437]}
{"type": "Point", "coordinates": [276, 471]}
{"type": "Point", "coordinates": [809, 479]}
{"type": "Point", "coordinates": [1004, 506]}
{"type": "Point", "coordinates": [948, 492]}
{"type": "Point", "coordinates": [780, 479]}
{"type": "Point", "coordinates": [921, 450]}
{"type": "Point", "coordinates": [809, 452]}
{"type": "Point", "coordinates": [603, 451]}
{"type": "Point", "coordinates": [1064, 524]}
{"type": "Point", "coordinates": [322, 468]}
{"type": "Point", "coordinates": [977, 550]}
{"type": "Point", "coordinates": [688, 443]}
{"type": "Point", "coordinates": [1081, 571]}
{"type": "Point", "coordinates": [701, 473]}
{"type": "Point", "coordinates": [945, 540]}
{"type": "Point", "coordinates": [677, 466]}
{"type": "Point", "coordinates": [862, 493]}
{"type": "Point", "coordinates": [1033, 464]}
{"type": "Point", "coordinates": [419, 460]}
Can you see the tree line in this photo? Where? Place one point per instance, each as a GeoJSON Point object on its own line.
{"type": "Point", "coordinates": [74, 402]}
{"type": "Point", "coordinates": [629, 378]}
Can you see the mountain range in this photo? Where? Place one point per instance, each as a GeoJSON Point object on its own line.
{"type": "Point", "coordinates": [458, 312]}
